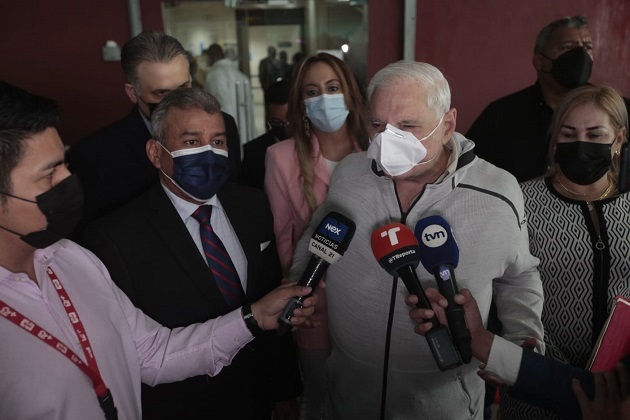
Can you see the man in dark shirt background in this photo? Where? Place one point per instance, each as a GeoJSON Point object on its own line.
{"type": "Point", "coordinates": [512, 131]}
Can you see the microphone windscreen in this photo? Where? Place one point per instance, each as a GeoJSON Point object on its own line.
{"type": "Point", "coordinates": [332, 237]}
{"type": "Point", "coordinates": [394, 246]}
{"type": "Point", "coordinates": [437, 243]}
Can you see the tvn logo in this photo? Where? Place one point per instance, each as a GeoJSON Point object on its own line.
{"type": "Point", "coordinates": [333, 229]}
{"type": "Point", "coordinates": [434, 236]}
{"type": "Point", "coordinates": [445, 274]}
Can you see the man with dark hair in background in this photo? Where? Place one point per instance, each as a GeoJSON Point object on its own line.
{"type": "Point", "coordinates": [512, 131]}
{"type": "Point", "coordinates": [276, 108]}
{"type": "Point", "coordinates": [112, 163]}
{"type": "Point", "coordinates": [157, 255]}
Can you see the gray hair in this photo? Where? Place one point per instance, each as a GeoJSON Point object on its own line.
{"type": "Point", "coordinates": [438, 92]}
{"type": "Point", "coordinates": [185, 99]}
{"type": "Point", "coordinates": [152, 47]}
{"type": "Point", "coordinates": [545, 34]}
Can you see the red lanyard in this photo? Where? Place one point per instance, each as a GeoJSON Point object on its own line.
{"type": "Point", "coordinates": [91, 369]}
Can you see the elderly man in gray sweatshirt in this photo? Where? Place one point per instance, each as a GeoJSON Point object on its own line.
{"type": "Point", "coordinates": [417, 166]}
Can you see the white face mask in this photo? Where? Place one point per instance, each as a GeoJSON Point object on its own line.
{"type": "Point", "coordinates": [397, 152]}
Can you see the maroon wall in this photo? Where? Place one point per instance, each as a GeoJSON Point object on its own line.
{"type": "Point", "coordinates": [385, 33]}
{"type": "Point", "coordinates": [54, 49]}
{"type": "Point", "coordinates": [485, 48]}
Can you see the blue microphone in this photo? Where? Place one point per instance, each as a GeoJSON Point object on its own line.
{"type": "Point", "coordinates": [439, 255]}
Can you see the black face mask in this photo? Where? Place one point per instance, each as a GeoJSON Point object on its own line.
{"type": "Point", "coordinates": [150, 105]}
{"type": "Point", "coordinates": [281, 131]}
{"type": "Point", "coordinates": [63, 207]}
{"type": "Point", "coordinates": [583, 163]}
{"type": "Point", "coordinates": [573, 68]}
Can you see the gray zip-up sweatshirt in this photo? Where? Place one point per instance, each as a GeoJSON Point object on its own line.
{"type": "Point", "coordinates": [484, 206]}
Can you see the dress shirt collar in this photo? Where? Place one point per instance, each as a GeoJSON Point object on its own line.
{"type": "Point", "coordinates": [185, 208]}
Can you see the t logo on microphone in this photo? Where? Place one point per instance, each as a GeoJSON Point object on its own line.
{"type": "Point", "coordinates": [393, 239]}
{"type": "Point", "coordinates": [434, 236]}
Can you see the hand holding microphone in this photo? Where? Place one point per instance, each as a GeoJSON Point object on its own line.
{"type": "Point", "coordinates": [439, 255]}
{"type": "Point", "coordinates": [396, 250]}
{"type": "Point", "coordinates": [328, 243]}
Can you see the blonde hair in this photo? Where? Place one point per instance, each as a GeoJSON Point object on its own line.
{"type": "Point", "coordinates": [356, 120]}
{"type": "Point", "coordinates": [605, 98]}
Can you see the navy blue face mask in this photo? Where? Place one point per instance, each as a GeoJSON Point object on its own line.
{"type": "Point", "coordinates": [199, 172]}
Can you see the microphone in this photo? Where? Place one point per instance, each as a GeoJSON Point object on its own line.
{"type": "Point", "coordinates": [439, 255]}
{"type": "Point", "coordinates": [396, 250]}
{"type": "Point", "coordinates": [328, 243]}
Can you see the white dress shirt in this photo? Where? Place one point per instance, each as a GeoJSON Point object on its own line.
{"type": "Point", "coordinates": [221, 226]}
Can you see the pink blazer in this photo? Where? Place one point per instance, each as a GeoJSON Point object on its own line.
{"type": "Point", "coordinates": [291, 217]}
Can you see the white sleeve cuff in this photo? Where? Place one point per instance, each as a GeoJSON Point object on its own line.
{"type": "Point", "coordinates": [504, 361]}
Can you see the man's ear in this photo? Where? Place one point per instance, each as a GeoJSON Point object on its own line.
{"type": "Point", "coordinates": [537, 62]}
{"type": "Point", "coordinates": [450, 122]}
{"type": "Point", "coordinates": [154, 151]}
{"type": "Point", "coordinates": [131, 93]}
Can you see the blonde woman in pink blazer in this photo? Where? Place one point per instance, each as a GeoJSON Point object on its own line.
{"type": "Point", "coordinates": [327, 116]}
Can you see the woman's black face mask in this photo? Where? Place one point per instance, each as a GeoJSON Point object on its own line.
{"type": "Point", "coordinates": [582, 162]}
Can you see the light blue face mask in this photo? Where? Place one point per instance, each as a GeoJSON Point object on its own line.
{"type": "Point", "coordinates": [327, 112]}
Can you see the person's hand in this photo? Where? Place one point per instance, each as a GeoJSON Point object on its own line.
{"type": "Point", "coordinates": [267, 310]}
{"type": "Point", "coordinates": [489, 378]}
{"type": "Point", "coordinates": [530, 343]}
{"type": "Point", "coordinates": [481, 338]}
{"type": "Point", "coordinates": [423, 316]}
{"type": "Point", "coordinates": [286, 410]}
{"type": "Point", "coordinates": [611, 395]}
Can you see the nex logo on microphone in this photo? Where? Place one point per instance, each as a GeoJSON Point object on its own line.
{"type": "Point", "coordinates": [434, 236]}
{"type": "Point", "coordinates": [333, 229]}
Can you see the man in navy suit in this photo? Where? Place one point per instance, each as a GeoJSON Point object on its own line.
{"type": "Point", "coordinates": [532, 377]}
{"type": "Point", "coordinates": [153, 250]}
{"type": "Point", "coordinates": [112, 163]}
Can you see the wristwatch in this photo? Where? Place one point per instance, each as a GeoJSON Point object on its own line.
{"type": "Point", "coordinates": [250, 321]}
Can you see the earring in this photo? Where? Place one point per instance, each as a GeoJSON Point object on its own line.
{"type": "Point", "coordinates": [617, 152]}
{"type": "Point", "coordinates": [307, 126]}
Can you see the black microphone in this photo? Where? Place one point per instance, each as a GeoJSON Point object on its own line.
{"type": "Point", "coordinates": [328, 243]}
{"type": "Point", "coordinates": [396, 250]}
{"type": "Point", "coordinates": [439, 255]}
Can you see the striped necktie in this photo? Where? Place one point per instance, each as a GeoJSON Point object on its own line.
{"type": "Point", "coordinates": [219, 261]}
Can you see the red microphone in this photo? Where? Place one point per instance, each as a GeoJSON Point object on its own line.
{"type": "Point", "coordinates": [396, 249]}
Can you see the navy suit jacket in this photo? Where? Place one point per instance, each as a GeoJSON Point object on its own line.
{"type": "Point", "coordinates": [113, 166]}
{"type": "Point", "coordinates": [546, 383]}
{"type": "Point", "coordinates": [153, 259]}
